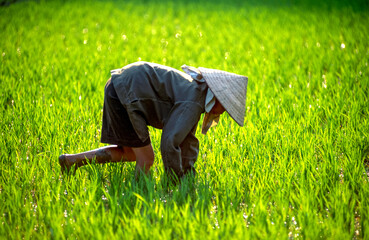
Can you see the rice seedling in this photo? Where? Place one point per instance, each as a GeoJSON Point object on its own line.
{"type": "Point", "coordinates": [298, 169]}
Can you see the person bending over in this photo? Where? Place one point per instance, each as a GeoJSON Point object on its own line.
{"type": "Point", "coordinates": [142, 94]}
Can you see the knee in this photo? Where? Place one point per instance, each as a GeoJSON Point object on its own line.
{"type": "Point", "coordinates": [145, 156]}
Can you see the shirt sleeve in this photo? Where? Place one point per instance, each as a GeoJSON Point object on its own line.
{"type": "Point", "coordinates": [179, 146]}
{"type": "Point", "coordinates": [190, 151]}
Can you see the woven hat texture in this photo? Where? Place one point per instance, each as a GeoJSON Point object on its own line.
{"type": "Point", "coordinates": [230, 90]}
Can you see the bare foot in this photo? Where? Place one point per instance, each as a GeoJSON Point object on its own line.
{"type": "Point", "coordinates": [66, 164]}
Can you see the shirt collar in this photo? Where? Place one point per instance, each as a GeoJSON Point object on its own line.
{"type": "Point", "coordinates": [196, 75]}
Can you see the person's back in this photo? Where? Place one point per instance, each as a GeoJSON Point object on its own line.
{"type": "Point", "coordinates": [150, 91]}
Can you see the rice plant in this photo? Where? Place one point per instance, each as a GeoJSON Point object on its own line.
{"type": "Point", "coordinates": [298, 169]}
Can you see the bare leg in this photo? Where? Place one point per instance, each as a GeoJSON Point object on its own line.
{"type": "Point", "coordinates": [107, 154]}
{"type": "Point", "coordinates": [144, 158]}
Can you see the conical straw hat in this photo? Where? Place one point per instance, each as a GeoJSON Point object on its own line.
{"type": "Point", "coordinates": [230, 90]}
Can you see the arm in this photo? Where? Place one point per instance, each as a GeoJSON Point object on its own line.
{"type": "Point", "coordinates": [178, 134]}
{"type": "Point", "coordinates": [190, 151]}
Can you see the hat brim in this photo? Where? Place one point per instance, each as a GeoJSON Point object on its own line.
{"type": "Point", "coordinates": [229, 89]}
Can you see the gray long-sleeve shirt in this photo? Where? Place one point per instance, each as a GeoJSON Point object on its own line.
{"type": "Point", "coordinates": [167, 99]}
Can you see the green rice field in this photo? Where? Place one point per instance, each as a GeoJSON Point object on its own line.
{"type": "Point", "coordinates": [298, 169]}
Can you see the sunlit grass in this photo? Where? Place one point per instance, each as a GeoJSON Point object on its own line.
{"type": "Point", "coordinates": [298, 169]}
